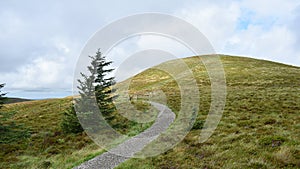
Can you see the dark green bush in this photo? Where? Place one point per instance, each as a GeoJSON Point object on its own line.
{"type": "Point", "coordinates": [70, 122]}
{"type": "Point", "coordinates": [198, 125]}
{"type": "Point", "coordinates": [10, 131]}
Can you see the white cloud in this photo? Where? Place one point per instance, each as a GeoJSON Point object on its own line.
{"type": "Point", "coordinates": [275, 8]}
{"type": "Point", "coordinates": [41, 73]}
{"type": "Point", "coordinates": [11, 24]}
{"type": "Point", "coordinates": [275, 44]}
{"type": "Point", "coordinates": [217, 21]}
{"type": "Point", "coordinates": [253, 28]}
{"type": "Point", "coordinates": [49, 69]}
{"type": "Point", "coordinates": [144, 51]}
{"type": "Point", "coordinates": [44, 71]}
{"type": "Point", "coordinates": [163, 43]}
{"type": "Point", "coordinates": [40, 43]}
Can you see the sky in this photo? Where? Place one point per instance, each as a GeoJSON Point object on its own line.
{"type": "Point", "coordinates": [40, 41]}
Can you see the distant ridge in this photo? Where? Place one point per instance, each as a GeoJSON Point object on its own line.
{"type": "Point", "coordinates": [16, 100]}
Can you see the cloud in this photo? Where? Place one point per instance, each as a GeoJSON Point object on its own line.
{"type": "Point", "coordinates": [250, 28]}
{"type": "Point", "coordinates": [295, 25]}
{"type": "Point", "coordinates": [46, 71]}
{"type": "Point", "coordinates": [144, 51]}
{"type": "Point", "coordinates": [40, 41]}
{"type": "Point", "coordinates": [140, 61]}
{"type": "Point", "coordinates": [163, 43]}
{"type": "Point", "coordinates": [217, 21]}
{"type": "Point", "coordinates": [275, 44]}
{"type": "Point", "coordinates": [275, 8]}
{"type": "Point", "coordinates": [41, 73]}
{"type": "Point", "coordinates": [35, 33]}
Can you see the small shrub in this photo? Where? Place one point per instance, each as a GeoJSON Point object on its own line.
{"type": "Point", "coordinates": [198, 125]}
{"type": "Point", "coordinates": [70, 122]}
{"type": "Point", "coordinates": [270, 121]}
{"type": "Point", "coordinates": [45, 164]}
{"type": "Point", "coordinates": [10, 131]}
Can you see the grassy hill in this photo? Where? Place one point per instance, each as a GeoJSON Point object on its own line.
{"type": "Point", "coordinates": [260, 127]}
{"type": "Point", "coordinates": [31, 137]}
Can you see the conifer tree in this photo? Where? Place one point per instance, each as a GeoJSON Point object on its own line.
{"type": "Point", "coordinates": [103, 88]}
{"type": "Point", "coordinates": [2, 96]}
{"type": "Point", "coordinates": [95, 85]}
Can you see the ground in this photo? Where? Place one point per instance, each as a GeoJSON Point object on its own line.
{"type": "Point", "coordinates": [260, 127]}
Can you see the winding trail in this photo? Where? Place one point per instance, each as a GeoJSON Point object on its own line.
{"type": "Point", "coordinates": [127, 149]}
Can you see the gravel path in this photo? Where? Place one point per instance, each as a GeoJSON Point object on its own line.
{"type": "Point", "coordinates": [127, 149]}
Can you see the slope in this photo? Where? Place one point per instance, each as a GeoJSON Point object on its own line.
{"type": "Point", "coordinates": [260, 127]}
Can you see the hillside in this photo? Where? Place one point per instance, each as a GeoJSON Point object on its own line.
{"type": "Point", "coordinates": [260, 127]}
{"type": "Point", "coordinates": [31, 136]}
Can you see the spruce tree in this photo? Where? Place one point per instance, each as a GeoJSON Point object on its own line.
{"type": "Point", "coordinates": [103, 90]}
{"type": "Point", "coordinates": [92, 86]}
{"type": "Point", "coordinates": [97, 85]}
{"type": "Point", "coordinates": [2, 96]}
{"type": "Point", "coordinates": [95, 94]}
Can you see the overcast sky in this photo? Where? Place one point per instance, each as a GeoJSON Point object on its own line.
{"type": "Point", "coordinates": [40, 41]}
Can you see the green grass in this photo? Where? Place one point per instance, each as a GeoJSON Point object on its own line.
{"type": "Point", "coordinates": [127, 127]}
{"type": "Point", "coordinates": [33, 137]}
{"type": "Point", "coordinates": [260, 127]}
